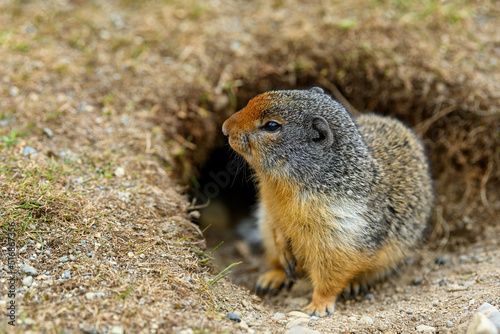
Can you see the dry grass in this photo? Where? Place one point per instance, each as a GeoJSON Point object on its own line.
{"type": "Point", "coordinates": [133, 94]}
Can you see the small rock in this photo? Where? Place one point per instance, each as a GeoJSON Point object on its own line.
{"type": "Point", "coordinates": [142, 301]}
{"type": "Point", "coordinates": [27, 281]}
{"type": "Point", "coordinates": [298, 314]}
{"type": "Point", "coordinates": [463, 258]}
{"type": "Point", "coordinates": [23, 249]}
{"type": "Point", "coordinates": [455, 287]}
{"type": "Point", "coordinates": [48, 132]}
{"type": "Point", "coordinates": [278, 315]}
{"type": "Point", "coordinates": [29, 151]}
{"type": "Point", "coordinates": [467, 283]}
{"type": "Point", "coordinates": [90, 295]}
{"type": "Point", "coordinates": [72, 258]}
{"type": "Point", "coordinates": [369, 296]}
{"type": "Point", "coordinates": [186, 331]}
{"type": "Point", "coordinates": [492, 313]}
{"type": "Point", "coordinates": [297, 322]}
{"type": "Point", "coordinates": [29, 270]}
{"type": "Point", "coordinates": [63, 259]}
{"type": "Point", "coordinates": [353, 318]}
{"type": "Point", "coordinates": [87, 329]}
{"type": "Point", "coordinates": [418, 281]}
{"type": "Point", "coordinates": [187, 278]}
{"type": "Point", "coordinates": [120, 172]}
{"type": "Point", "coordinates": [256, 316]}
{"type": "Point", "coordinates": [66, 274]}
{"type": "Point", "coordinates": [425, 328]}
{"type": "Point", "coordinates": [449, 324]}
{"type": "Point", "coordinates": [13, 91]}
{"type": "Point", "coordinates": [233, 317]}
{"type": "Point", "coordinates": [116, 330]}
{"type": "Point", "coordinates": [480, 324]}
{"type": "Point", "coordinates": [302, 330]}
{"type": "Point", "coordinates": [366, 320]}
{"type": "Point", "coordinates": [441, 261]}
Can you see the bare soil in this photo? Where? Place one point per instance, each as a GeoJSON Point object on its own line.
{"type": "Point", "coordinates": [109, 109]}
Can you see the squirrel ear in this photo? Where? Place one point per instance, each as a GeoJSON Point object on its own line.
{"type": "Point", "coordinates": [322, 132]}
{"type": "Point", "coordinates": [317, 90]}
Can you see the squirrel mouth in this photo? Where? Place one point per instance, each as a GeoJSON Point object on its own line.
{"type": "Point", "coordinates": [242, 146]}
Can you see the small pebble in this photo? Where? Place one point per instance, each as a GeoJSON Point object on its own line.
{"type": "Point", "coordinates": [463, 258]}
{"type": "Point", "coordinates": [366, 320]}
{"type": "Point", "coordinates": [297, 322]}
{"type": "Point", "coordinates": [116, 330]}
{"type": "Point", "coordinates": [441, 261]}
{"type": "Point", "coordinates": [187, 278]}
{"type": "Point", "coordinates": [48, 132]}
{"type": "Point", "coordinates": [23, 249]}
{"type": "Point", "coordinates": [418, 281]}
{"type": "Point", "coordinates": [63, 259]}
{"type": "Point", "coordinates": [72, 257]}
{"type": "Point", "coordinates": [13, 91]}
{"type": "Point", "coordinates": [29, 270]}
{"type": "Point", "coordinates": [120, 172]}
{"type": "Point", "coordinates": [298, 314]}
{"type": "Point", "coordinates": [301, 330]}
{"type": "Point", "coordinates": [66, 274]}
{"type": "Point", "coordinates": [29, 151]}
{"type": "Point", "coordinates": [278, 315]}
{"type": "Point", "coordinates": [481, 324]}
{"type": "Point", "coordinates": [233, 317]}
{"type": "Point", "coordinates": [492, 313]}
{"type": "Point", "coordinates": [369, 296]}
{"type": "Point", "coordinates": [90, 295]}
{"type": "Point", "coordinates": [449, 324]}
{"type": "Point", "coordinates": [27, 281]}
{"type": "Point", "coordinates": [142, 301]}
{"type": "Point", "coordinates": [425, 328]}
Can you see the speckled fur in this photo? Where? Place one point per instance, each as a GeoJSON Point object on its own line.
{"type": "Point", "coordinates": [341, 213]}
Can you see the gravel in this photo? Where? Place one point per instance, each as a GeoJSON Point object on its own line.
{"type": "Point", "coordinates": [233, 317]}
{"type": "Point", "coordinates": [425, 328]}
{"type": "Point", "coordinates": [29, 270]}
{"type": "Point", "coordinates": [27, 281]}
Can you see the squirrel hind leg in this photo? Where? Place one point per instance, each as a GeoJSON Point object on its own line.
{"type": "Point", "coordinates": [361, 286]}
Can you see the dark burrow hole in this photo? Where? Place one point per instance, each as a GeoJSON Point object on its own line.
{"type": "Point", "coordinates": [227, 194]}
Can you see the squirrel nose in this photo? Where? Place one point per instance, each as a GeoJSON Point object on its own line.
{"type": "Point", "coordinates": [224, 129]}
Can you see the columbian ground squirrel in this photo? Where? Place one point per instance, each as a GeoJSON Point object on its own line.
{"type": "Point", "coordinates": [343, 199]}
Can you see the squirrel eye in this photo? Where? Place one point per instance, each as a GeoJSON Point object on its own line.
{"type": "Point", "coordinates": [271, 126]}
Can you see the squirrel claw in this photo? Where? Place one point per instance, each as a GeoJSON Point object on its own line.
{"type": "Point", "coordinates": [355, 289]}
{"type": "Point", "coordinates": [289, 266]}
{"type": "Point", "coordinates": [320, 309]}
{"type": "Point", "coordinates": [272, 281]}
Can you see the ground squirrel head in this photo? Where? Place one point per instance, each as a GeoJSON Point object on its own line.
{"type": "Point", "coordinates": [295, 134]}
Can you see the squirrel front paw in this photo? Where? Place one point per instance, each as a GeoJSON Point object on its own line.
{"type": "Point", "coordinates": [273, 281]}
{"type": "Point", "coordinates": [320, 306]}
